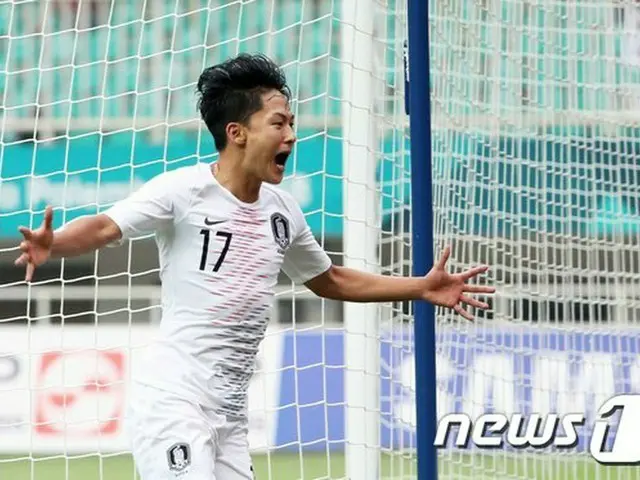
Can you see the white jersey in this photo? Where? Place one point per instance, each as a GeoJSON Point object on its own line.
{"type": "Point", "coordinates": [219, 264]}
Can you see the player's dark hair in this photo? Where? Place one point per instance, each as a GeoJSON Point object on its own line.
{"type": "Point", "coordinates": [232, 91]}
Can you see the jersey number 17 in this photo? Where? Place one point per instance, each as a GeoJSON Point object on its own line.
{"type": "Point", "coordinates": [205, 248]}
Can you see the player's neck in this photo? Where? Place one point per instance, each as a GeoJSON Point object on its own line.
{"type": "Point", "coordinates": [232, 177]}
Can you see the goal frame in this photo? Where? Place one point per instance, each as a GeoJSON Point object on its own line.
{"type": "Point", "coordinates": [419, 111]}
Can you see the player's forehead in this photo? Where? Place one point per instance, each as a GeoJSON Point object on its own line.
{"type": "Point", "coordinates": [275, 103]}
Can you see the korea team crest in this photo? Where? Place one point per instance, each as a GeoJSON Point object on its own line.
{"type": "Point", "coordinates": [179, 457]}
{"type": "Point", "coordinates": [280, 229]}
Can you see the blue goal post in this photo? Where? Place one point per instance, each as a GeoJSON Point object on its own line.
{"type": "Point", "coordinates": [418, 107]}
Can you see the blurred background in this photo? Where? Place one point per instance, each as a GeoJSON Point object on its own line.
{"type": "Point", "coordinates": [535, 140]}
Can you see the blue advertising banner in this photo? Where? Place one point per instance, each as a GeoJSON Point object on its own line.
{"type": "Point", "coordinates": [480, 370]}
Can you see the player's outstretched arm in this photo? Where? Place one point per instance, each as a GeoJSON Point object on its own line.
{"type": "Point", "coordinates": [438, 287]}
{"type": "Point", "coordinates": [81, 236]}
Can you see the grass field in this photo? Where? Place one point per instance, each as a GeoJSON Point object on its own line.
{"type": "Point", "coordinates": [317, 466]}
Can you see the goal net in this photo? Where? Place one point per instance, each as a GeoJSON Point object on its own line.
{"type": "Point", "coordinates": [535, 144]}
{"type": "Point", "coordinates": [97, 97]}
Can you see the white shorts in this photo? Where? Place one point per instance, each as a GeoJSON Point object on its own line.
{"type": "Point", "coordinates": [172, 438]}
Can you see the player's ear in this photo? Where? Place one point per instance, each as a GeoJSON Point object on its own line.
{"type": "Point", "coordinates": [236, 133]}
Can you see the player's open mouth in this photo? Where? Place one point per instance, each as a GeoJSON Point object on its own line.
{"type": "Point", "coordinates": [281, 160]}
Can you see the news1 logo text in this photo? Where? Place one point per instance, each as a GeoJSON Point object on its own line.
{"type": "Point", "coordinates": [613, 439]}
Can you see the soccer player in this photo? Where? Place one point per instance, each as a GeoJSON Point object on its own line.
{"type": "Point", "coordinates": [224, 232]}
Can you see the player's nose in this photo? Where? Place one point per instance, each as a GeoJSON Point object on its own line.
{"type": "Point", "coordinates": [290, 136]}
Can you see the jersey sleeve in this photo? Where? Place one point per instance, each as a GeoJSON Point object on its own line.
{"type": "Point", "coordinates": [305, 258]}
{"type": "Point", "coordinates": [151, 208]}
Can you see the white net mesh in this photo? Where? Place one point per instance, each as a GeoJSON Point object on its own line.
{"type": "Point", "coordinates": [97, 97]}
{"type": "Point", "coordinates": [535, 146]}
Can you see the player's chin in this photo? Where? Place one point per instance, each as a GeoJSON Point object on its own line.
{"type": "Point", "coordinates": [275, 175]}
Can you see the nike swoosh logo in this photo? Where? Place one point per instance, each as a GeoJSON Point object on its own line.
{"type": "Point", "coordinates": [212, 222]}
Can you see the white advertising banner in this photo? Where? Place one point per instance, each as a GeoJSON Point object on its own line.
{"type": "Point", "coordinates": [64, 389]}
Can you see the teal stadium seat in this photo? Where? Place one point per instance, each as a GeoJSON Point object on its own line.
{"type": "Point", "coordinates": [565, 57]}
{"type": "Point", "coordinates": [291, 34]}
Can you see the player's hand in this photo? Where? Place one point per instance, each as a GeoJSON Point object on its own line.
{"type": "Point", "coordinates": [36, 246]}
{"type": "Point", "coordinates": [452, 290]}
